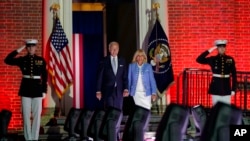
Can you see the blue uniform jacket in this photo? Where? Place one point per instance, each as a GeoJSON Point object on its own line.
{"type": "Point", "coordinates": [31, 65]}
{"type": "Point", "coordinates": [222, 65]}
{"type": "Point", "coordinates": [147, 79]}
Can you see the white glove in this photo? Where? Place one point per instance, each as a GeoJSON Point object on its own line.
{"type": "Point", "coordinates": [212, 49]}
{"type": "Point", "coordinates": [44, 95]}
{"type": "Point", "coordinates": [20, 49]}
{"type": "Point", "coordinates": [232, 93]}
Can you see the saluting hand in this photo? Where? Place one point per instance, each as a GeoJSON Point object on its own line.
{"type": "Point", "coordinates": [21, 48]}
{"type": "Point", "coordinates": [212, 49]}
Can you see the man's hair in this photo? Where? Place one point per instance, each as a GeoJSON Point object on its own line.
{"type": "Point", "coordinates": [113, 43]}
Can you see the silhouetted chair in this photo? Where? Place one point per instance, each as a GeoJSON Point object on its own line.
{"type": "Point", "coordinates": [83, 123]}
{"type": "Point", "coordinates": [173, 124]}
{"type": "Point", "coordinates": [217, 126]}
{"type": "Point", "coordinates": [199, 118]}
{"type": "Point", "coordinates": [111, 124]}
{"type": "Point", "coordinates": [95, 125]}
{"type": "Point", "coordinates": [71, 120]}
{"type": "Point", "coordinates": [5, 116]}
{"type": "Point", "coordinates": [136, 124]}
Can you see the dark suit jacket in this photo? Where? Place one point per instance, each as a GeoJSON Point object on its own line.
{"type": "Point", "coordinates": [106, 80]}
{"type": "Point", "coordinates": [31, 66]}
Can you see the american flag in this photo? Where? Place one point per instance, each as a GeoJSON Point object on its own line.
{"type": "Point", "coordinates": [59, 63]}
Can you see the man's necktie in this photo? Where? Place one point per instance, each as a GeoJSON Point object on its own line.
{"type": "Point", "coordinates": [114, 66]}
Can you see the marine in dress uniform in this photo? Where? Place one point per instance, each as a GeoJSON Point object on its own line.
{"type": "Point", "coordinates": [223, 83]}
{"type": "Point", "coordinates": [33, 86]}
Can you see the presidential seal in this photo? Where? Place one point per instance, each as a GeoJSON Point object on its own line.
{"type": "Point", "coordinates": [159, 57]}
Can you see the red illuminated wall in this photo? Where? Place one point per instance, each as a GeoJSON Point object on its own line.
{"type": "Point", "coordinates": [195, 24]}
{"type": "Point", "coordinates": [19, 19]}
{"type": "Point", "coordinates": [193, 27]}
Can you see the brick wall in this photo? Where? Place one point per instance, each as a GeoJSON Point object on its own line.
{"type": "Point", "coordinates": [19, 19]}
{"type": "Point", "coordinates": [195, 24]}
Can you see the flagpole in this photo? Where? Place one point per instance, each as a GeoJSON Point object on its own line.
{"type": "Point", "coordinates": [156, 6]}
{"type": "Point", "coordinates": [55, 8]}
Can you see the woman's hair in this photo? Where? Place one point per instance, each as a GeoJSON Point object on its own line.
{"type": "Point", "coordinates": [140, 52]}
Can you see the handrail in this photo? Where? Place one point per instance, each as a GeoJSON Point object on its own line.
{"type": "Point", "coordinates": [193, 83]}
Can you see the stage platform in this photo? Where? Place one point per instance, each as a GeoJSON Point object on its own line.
{"type": "Point", "coordinates": [52, 128]}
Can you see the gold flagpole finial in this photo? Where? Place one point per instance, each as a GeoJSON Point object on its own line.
{"type": "Point", "coordinates": [155, 7]}
{"type": "Point", "coordinates": [55, 8]}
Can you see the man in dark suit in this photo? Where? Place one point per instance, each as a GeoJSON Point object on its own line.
{"type": "Point", "coordinates": [224, 80]}
{"type": "Point", "coordinates": [112, 79]}
{"type": "Point", "coordinates": [112, 84]}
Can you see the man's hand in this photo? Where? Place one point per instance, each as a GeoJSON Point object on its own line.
{"type": "Point", "coordinates": [212, 49]}
{"type": "Point", "coordinates": [125, 93]}
{"type": "Point", "coordinates": [44, 95]}
{"type": "Point", "coordinates": [98, 95]}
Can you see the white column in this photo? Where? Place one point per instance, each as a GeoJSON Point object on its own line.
{"type": "Point", "coordinates": [66, 21]}
{"type": "Point", "coordinates": [146, 17]}
{"type": "Point", "coordinates": [143, 17]}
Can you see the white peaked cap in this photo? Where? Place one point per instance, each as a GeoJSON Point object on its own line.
{"type": "Point", "coordinates": [220, 42]}
{"type": "Point", "coordinates": [31, 41]}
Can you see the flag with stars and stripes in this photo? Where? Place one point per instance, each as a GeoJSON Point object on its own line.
{"type": "Point", "coordinates": [160, 58]}
{"type": "Point", "coordinates": [59, 60]}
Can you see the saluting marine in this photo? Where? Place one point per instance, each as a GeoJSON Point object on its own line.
{"type": "Point", "coordinates": [33, 86]}
{"type": "Point", "coordinates": [222, 85]}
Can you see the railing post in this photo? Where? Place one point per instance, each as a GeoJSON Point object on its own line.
{"type": "Point", "coordinates": [184, 86]}
{"type": "Point", "coordinates": [245, 93]}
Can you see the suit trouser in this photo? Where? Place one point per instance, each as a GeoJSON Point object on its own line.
{"type": "Point", "coordinates": [225, 99]}
{"type": "Point", "coordinates": [34, 106]}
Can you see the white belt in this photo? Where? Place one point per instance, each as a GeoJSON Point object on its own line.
{"type": "Point", "coordinates": [31, 77]}
{"type": "Point", "coordinates": [221, 76]}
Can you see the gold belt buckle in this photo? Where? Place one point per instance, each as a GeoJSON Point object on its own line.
{"type": "Point", "coordinates": [224, 76]}
{"type": "Point", "coordinates": [31, 76]}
